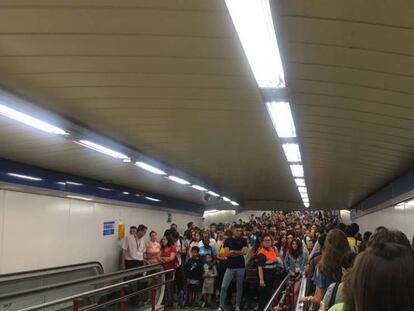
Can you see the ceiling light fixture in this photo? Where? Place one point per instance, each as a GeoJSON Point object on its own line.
{"type": "Point", "coordinates": [255, 28]}
{"type": "Point", "coordinates": [24, 176]}
{"type": "Point", "coordinates": [214, 194]}
{"type": "Point", "coordinates": [303, 190]}
{"type": "Point", "coordinates": [74, 183]}
{"type": "Point", "coordinates": [102, 149]}
{"type": "Point", "coordinates": [306, 204]}
{"type": "Point", "coordinates": [292, 152]}
{"type": "Point", "coordinates": [150, 168]}
{"type": "Point", "coordinates": [300, 182]}
{"type": "Point", "coordinates": [234, 203]}
{"type": "Point", "coordinates": [282, 119]}
{"type": "Point", "coordinates": [78, 198]}
{"type": "Point", "coordinates": [125, 192]}
{"type": "Point", "coordinates": [226, 199]}
{"type": "Point", "coordinates": [31, 121]}
{"type": "Point", "coordinates": [178, 180]}
{"type": "Point", "coordinates": [105, 189]}
{"type": "Point", "coordinates": [197, 187]}
{"type": "Point", "coordinates": [297, 170]}
{"type": "Point", "coordinates": [153, 199]}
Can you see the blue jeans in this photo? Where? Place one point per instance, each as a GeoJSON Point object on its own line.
{"type": "Point", "coordinates": [228, 277]}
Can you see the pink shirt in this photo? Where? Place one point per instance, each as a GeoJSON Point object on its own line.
{"type": "Point", "coordinates": [153, 250]}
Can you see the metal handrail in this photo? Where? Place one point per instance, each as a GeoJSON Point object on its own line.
{"type": "Point", "coordinates": [300, 305]}
{"type": "Point", "coordinates": [83, 281]}
{"type": "Point", "coordinates": [126, 297]}
{"type": "Point", "coordinates": [93, 292]}
{"type": "Point", "coordinates": [276, 293]}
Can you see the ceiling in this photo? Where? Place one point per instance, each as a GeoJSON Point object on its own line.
{"type": "Point", "coordinates": [170, 79]}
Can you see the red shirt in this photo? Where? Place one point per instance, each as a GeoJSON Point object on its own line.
{"type": "Point", "coordinates": [166, 252]}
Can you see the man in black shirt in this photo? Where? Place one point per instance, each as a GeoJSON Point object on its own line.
{"type": "Point", "coordinates": [235, 248]}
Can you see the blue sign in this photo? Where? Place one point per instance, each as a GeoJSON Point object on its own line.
{"type": "Point", "coordinates": [109, 228]}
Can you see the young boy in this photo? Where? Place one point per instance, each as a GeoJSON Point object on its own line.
{"type": "Point", "coordinates": [194, 274]}
{"type": "Point", "coordinates": [210, 273]}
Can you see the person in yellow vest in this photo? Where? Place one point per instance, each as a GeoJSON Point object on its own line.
{"type": "Point", "coordinates": [267, 258]}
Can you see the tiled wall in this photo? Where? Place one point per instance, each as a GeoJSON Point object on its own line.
{"type": "Point", "coordinates": [38, 231]}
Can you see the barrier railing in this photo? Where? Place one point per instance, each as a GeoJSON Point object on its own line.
{"type": "Point", "coordinates": [283, 290]}
{"type": "Point", "coordinates": [301, 306]}
{"type": "Point", "coordinates": [93, 280]}
{"type": "Point", "coordinates": [76, 299]}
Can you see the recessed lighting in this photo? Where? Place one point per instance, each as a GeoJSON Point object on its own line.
{"type": "Point", "coordinates": [24, 176]}
{"type": "Point", "coordinates": [178, 180]}
{"type": "Point", "coordinates": [125, 192]}
{"type": "Point", "coordinates": [292, 152]}
{"type": "Point", "coordinates": [254, 25]}
{"type": "Point", "coordinates": [300, 182]}
{"type": "Point", "coordinates": [226, 199]}
{"type": "Point", "coordinates": [234, 203]}
{"type": "Point", "coordinates": [282, 119]}
{"type": "Point", "coordinates": [150, 168]}
{"type": "Point", "coordinates": [31, 121]}
{"type": "Point", "coordinates": [78, 197]}
{"type": "Point", "coordinates": [102, 149]}
{"type": "Point", "coordinates": [198, 188]}
{"type": "Point", "coordinates": [297, 170]}
{"type": "Point", "coordinates": [214, 194]}
{"type": "Point", "coordinates": [137, 195]}
{"type": "Point", "coordinates": [153, 199]}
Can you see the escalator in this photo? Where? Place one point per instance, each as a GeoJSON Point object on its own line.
{"type": "Point", "coordinates": [86, 288]}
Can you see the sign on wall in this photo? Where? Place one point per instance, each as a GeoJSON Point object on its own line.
{"type": "Point", "coordinates": [109, 228]}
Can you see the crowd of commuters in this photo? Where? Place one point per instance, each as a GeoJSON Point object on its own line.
{"type": "Point", "coordinates": [241, 263]}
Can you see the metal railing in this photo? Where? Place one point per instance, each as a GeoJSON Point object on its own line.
{"type": "Point", "coordinates": [285, 283]}
{"type": "Point", "coordinates": [76, 298]}
{"type": "Point", "coordinates": [301, 306]}
{"type": "Point", "coordinates": [92, 280]}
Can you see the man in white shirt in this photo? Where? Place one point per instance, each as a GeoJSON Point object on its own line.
{"type": "Point", "coordinates": [133, 248]}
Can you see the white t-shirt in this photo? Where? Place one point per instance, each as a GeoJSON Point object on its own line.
{"type": "Point", "coordinates": [134, 248]}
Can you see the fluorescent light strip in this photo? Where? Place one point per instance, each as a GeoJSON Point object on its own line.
{"type": "Point", "coordinates": [178, 180]}
{"type": "Point", "coordinates": [153, 199]}
{"type": "Point", "coordinates": [74, 183]}
{"type": "Point", "coordinates": [125, 192]}
{"type": "Point", "coordinates": [102, 149]}
{"type": "Point", "coordinates": [24, 176]}
{"type": "Point", "coordinates": [31, 121]}
{"type": "Point", "coordinates": [292, 152]}
{"type": "Point", "coordinates": [126, 160]}
{"type": "Point", "coordinates": [214, 194]}
{"type": "Point", "coordinates": [226, 199]}
{"type": "Point", "coordinates": [303, 190]}
{"type": "Point", "coordinates": [304, 196]}
{"type": "Point", "coordinates": [78, 198]}
{"type": "Point", "coordinates": [306, 204]}
{"type": "Point", "coordinates": [297, 170]}
{"type": "Point", "coordinates": [197, 187]}
{"type": "Point", "coordinates": [150, 168]}
{"type": "Point", "coordinates": [234, 203]}
{"type": "Point", "coordinates": [254, 25]}
{"type": "Point", "coordinates": [105, 189]}
{"type": "Point", "coordinates": [282, 119]}
{"type": "Point", "coordinates": [300, 182]}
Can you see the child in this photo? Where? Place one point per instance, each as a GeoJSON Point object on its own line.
{"type": "Point", "coordinates": [210, 273]}
{"type": "Point", "coordinates": [194, 273]}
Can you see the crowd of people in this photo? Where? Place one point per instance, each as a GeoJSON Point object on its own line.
{"type": "Point", "coordinates": [240, 264]}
